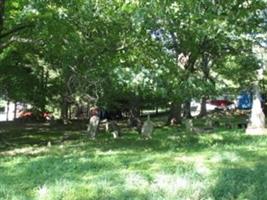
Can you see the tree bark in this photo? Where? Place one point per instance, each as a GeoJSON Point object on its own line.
{"type": "Point", "coordinates": [45, 87]}
{"type": "Point", "coordinates": [87, 110]}
{"type": "Point", "coordinates": [70, 112]}
{"type": "Point", "coordinates": [15, 111]}
{"type": "Point", "coordinates": [157, 110]}
{"type": "Point", "coordinates": [135, 111]}
{"type": "Point", "coordinates": [203, 108]}
{"type": "Point", "coordinates": [42, 101]}
{"type": "Point", "coordinates": [187, 109]}
{"type": "Point", "coordinates": [2, 12]}
{"type": "Point", "coordinates": [7, 110]}
{"type": "Point", "coordinates": [64, 110]}
{"type": "Point", "coordinates": [175, 113]}
{"type": "Point", "coordinates": [134, 116]}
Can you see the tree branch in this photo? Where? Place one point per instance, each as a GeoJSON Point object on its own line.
{"type": "Point", "coordinates": [2, 11]}
{"type": "Point", "coordinates": [5, 45]}
{"type": "Point", "coordinates": [14, 30]}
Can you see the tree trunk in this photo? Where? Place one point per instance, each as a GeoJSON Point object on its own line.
{"type": "Point", "coordinates": [64, 110]}
{"type": "Point", "coordinates": [7, 110]}
{"type": "Point", "coordinates": [45, 88]}
{"type": "Point", "coordinates": [135, 111]}
{"type": "Point", "coordinates": [2, 12]}
{"type": "Point", "coordinates": [134, 116]}
{"type": "Point", "coordinates": [15, 111]}
{"type": "Point", "coordinates": [44, 75]}
{"type": "Point", "coordinates": [157, 110]}
{"type": "Point", "coordinates": [206, 67]}
{"type": "Point", "coordinates": [70, 112]}
{"type": "Point", "coordinates": [203, 108]}
{"type": "Point", "coordinates": [87, 110]}
{"type": "Point", "coordinates": [175, 113]}
{"type": "Point", "coordinates": [187, 109]}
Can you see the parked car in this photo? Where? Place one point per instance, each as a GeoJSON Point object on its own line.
{"type": "Point", "coordinates": [34, 115]}
{"type": "Point", "coordinates": [221, 104]}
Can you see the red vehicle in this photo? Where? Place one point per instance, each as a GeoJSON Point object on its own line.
{"type": "Point", "coordinates": [34, 115]}
{"type": "Point", "coordinates": [221, 104]}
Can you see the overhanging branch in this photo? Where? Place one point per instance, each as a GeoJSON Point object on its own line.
{"type": "Point", "coordinates": [14, 30]}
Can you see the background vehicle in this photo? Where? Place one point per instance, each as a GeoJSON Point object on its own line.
{"type": "Point", "coordinates": [34, 115]}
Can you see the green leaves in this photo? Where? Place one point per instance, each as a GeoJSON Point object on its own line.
{"type": "Point", "coordinates": [113, 46]}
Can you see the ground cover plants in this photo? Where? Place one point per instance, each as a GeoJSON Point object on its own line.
{"type": "Point", "coordinates": [41, 164]}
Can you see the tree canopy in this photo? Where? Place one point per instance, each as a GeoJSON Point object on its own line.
{"type": "Point", "coordinates": [65, 52]}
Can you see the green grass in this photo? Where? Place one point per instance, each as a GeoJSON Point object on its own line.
{"type": "Point", "coordinates": [226, 164]}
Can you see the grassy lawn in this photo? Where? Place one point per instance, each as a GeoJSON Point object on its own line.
{"type": "Point", "coordinates": [225, 164]}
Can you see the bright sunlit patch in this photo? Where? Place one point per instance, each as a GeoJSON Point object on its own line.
{"type": "Point", "coordinates": [136, 181]}
{"type": "Point", "coordinates": [169, 183]}
{"type": "Point", "coordinates": [217, 137]}
{"type": "Point", "coordinates": [109, 152]}
{"type": "Point", "coordinates": [42, 192]}
{"type": "Point", "coordinates": [58, 189]}
{"type": "Point", "coordinates": [83, 160]}
{"type": "Point", "coordinates": [201, 168]}
{"type": "Point", "coordinates": [173, 137]}
{"type": "Point", "coordinates": [226, 156]}
{"type": "Point", "coordinates": [198, 161]}
{"type": "Point", "coordinates": [25, 151]}
{"type": "Point", "coordinates": [192, 159]}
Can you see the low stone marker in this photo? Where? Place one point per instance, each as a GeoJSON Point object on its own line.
{"type": "Point", "coordinates": [113, 128]}
{"type": "Point", "coordinates": [147, 128]}
{"type": "Point", "coordinates": [93, 126]}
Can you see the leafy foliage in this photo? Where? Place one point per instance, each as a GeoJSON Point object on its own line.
{"type": "Point", "coordinates": [93, 51]}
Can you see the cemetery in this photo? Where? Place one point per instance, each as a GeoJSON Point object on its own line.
{"type": "Point", "coordinates": [142, 100]}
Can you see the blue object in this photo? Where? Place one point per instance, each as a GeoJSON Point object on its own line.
{"type": "Point", "coordinates": [244, 100]}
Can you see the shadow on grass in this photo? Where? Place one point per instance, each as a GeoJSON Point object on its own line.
{"type": "Point", "coordinates": [98, 168]}
{"type": "Point", "coordinates": [94, 175]}
{"type": "Point", "coordinates": [242, 183]}
{"type": "Point", "coordinates": [17, 138]}
{"type": "Point", "coordinates": [164, 139]}
{"type": "Point", "coordinates": [28, 175]}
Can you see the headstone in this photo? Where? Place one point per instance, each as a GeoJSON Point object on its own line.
{"type": "Point", "coordinates": [189, 125]}
{"type": "Point", "coordinates": [173, 121]}
{"type": "Point", "coordinates": [209, 123]}
{"type": "Point", "coordinates": [93, 126]}
{"type": "Point", "coordinates": [256, 125]}
{"type": "Point", "coordinates": [147, 128]}
{"type": "Point", "coordinates": [114, 129]}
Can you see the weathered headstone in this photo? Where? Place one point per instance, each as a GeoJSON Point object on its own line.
{"type": "Point", "coordinates": [209, 123]}
{"type": "Point", "coordinates": [189, 125]}
{"type": "Point", "coordinates": [113, 128]}
{"type": "Point", "coordinates": [190, 128]}
{"type": "Point", "coordinates": [173, 121]}
{"type": "Point", "coordinates": [93, 126]}
{"type": "Point", "coordinates": [147, 128]}
{"type": "Point", "coordinates": [256, 125]}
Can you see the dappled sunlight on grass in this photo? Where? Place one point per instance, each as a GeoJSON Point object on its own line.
{"type": "Point", "coordinates": [135, 181]}
{"type": "Point", "coordinates": [241, 183]}
{"type": "Point", "coordinates": [226, 156]}
{"type": "Point", "coordinates": [25, 151]}
{"type": "Point", "coordinates": [172, 165]}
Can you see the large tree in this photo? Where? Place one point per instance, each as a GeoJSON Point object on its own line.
{"type": "Point", "coordinates": [201, 35]}
{"type": "Point", "coordinates": [80, 51]}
